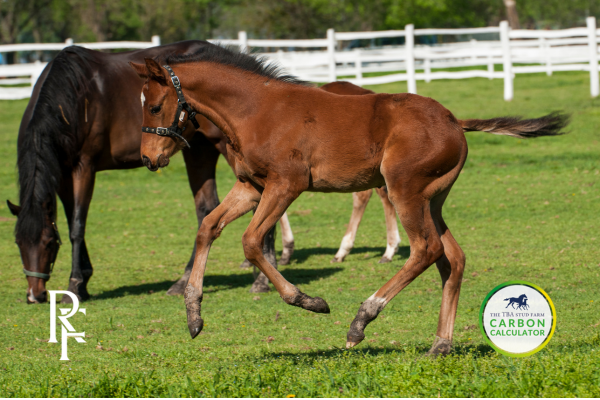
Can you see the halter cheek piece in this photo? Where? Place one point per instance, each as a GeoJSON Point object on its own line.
{"type": "Point", "coordinates": [174, 130]}
{"type": "Point", "coordinates": [41, 275]}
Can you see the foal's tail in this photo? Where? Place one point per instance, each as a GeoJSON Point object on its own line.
{"type": "Point", "coordinates": [548, 125]}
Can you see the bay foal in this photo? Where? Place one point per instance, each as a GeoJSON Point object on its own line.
{"type": "Point", "coordinates": [286, 137]}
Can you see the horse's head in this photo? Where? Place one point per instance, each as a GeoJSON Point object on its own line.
{"type": "Point", "coordinates": [522, 298]}
{"type": "Point", "coordinates": [37, 254]}
{"type": "Point", "coordinates": [159, 107]}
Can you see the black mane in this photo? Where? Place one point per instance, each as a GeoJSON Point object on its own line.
{"type": "Point", "coordinates": [246, 62]}
{"type": "Point", "coordinates": [49, 140]}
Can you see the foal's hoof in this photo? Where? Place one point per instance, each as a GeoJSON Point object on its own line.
{"type": "Point", "coordinates": [336, 260]}
{"type": "Point", "coordinates": [353, 338]}
{"type": "Point", "coordinates": [246, 264]}
{"type": "Point", "coordinates": [195, 325]}
{"type": "Point", "coordinates": [193, 305]}
{"type": "Point", "coordinates": [314, 304]}
{"type": "Point", "coordinates": [441, 347]}
{"type": "Point", "coordinates": [259, 287]}
{"type": "Point", "coordinates": [385, 260]}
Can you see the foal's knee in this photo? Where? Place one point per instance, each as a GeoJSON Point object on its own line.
{"type": "Point", "coordinates": [435, 249]}
{"type": "Point", "coordinates": [253, 247]}
{"type": "Point", "coordinates": [208, 232]}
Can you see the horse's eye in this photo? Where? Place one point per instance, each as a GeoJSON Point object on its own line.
{"type": "Point", "coordinates": [155, 109]}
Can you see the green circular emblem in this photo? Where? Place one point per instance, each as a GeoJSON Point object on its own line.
{"type": "Point", "coordinates": [517, 318]}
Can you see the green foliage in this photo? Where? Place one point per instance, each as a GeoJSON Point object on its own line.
{"type": "Point", "coordinates": [173, 20]}
{"type": "Point", "coordinates": [521, 209]}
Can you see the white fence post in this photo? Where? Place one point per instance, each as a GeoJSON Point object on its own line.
{"type": "Point", "coordinates": [490, 67]}
{"type": "Point", "coordinates": [69, 42]}
{"type": "Point", "coordinates": [507, 61]}
{"type": "Point", "coordinates": [155, 40]}
{"type": "Point", "coordinates": [427, 68]}
{"type": "Point", "coordinates": [546, 50]}
{"type": "Point", "coordinates": [358, 65]}
{"type": "Point", "coordinates": [331, 54]}
{"type": "Point", "coordinates": [593, 46]}
{"type": "Point", "coordinates": [243, 38]}
{"type": "Point", "coordinates": [409, 31]}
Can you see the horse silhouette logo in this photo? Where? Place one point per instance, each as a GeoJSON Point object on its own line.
{"type": "Point", "coordinates": [520, 301]}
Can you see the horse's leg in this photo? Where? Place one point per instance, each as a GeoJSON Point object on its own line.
{"type": "Point", "coordinates": [451, 267]}
{"type": "Point", "coordinates": [83, 179]}
{"type": "Point", "coordinates": [200, 163]}
{"type": "Point", "coordinates": [393, 237]}
{"type": "Point", "coordinates": [273, 203]}
{"type": "Point", "coordinates": [242, 198]}
{"type": "Point", "coordinates": [287, 239]}
{"type": "Point", "coordinates": [261, 283]}
{"type": "Point", "coordinates": [360, 201]}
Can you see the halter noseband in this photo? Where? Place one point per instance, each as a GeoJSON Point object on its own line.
{"type": "Point", "coordinates": [174, 130]}
{"type": "Point", "coordinates": [41, 275]}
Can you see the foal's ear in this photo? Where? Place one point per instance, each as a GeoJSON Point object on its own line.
{"type": "Point", "coordinates": [14, 209]}
{"type": "Point", "coordinates": [155, 71]}
{"type": "Point", "coordinates": [140, 69]}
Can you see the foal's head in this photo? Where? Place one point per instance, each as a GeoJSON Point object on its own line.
{"type": "Point", "coordinates": [159, 106]}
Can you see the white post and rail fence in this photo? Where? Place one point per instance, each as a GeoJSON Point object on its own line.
{"type": "Point", "coordinates": [320, 60]}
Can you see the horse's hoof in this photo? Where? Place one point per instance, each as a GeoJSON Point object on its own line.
{"type": "Point", "coordinates": [385, 260]}
{"type": "Point", "coordinates": [336, 260]}
{"type": "Point", "coordinates": [440, 347]}
{"type": "Point", "coordinates": [260, 287]}
{"type": "Point", "coordinates": [286, 255]}
{"type": "Point", "coordinates": [350, 345]}
{"type": "Point", "coordinates": [246, 264]}
{"type": "Point", "coordinates": [178, 287]}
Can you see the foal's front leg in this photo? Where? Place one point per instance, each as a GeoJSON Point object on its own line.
{"type": "Point", "coordinates": [275, 200]}
{"type": "Point", "coordinates": [241, 199]}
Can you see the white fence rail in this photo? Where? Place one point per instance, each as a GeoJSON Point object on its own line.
{"type": "Point", "coordinates": [19, 74]}
{"type": "Point", "coordinates": [317, 60]}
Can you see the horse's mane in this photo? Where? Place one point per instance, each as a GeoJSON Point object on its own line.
{"type": "Point", "coordinates": [228, 56]}
{"type": "Point", "coordinates": [49, 140]}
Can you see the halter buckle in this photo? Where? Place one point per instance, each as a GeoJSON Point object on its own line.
{"type": "Point", "coordinates": [162, 131]}
{"type": "Point", "coordinates": [175, 81]}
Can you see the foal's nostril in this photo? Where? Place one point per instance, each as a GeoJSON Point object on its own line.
{"type": "Point", "coordinates": [146, 161]}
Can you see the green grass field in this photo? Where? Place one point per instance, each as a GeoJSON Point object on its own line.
{"type": "Point", "coordinates": [521, 209]}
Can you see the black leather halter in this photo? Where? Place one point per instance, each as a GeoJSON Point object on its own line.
{"type": "Point", "coordinates": [42, 275]}
{"type": "Point", "coordinates": [174, 130]}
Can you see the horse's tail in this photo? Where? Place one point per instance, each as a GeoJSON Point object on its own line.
{"type": "Point", "coordinates": [48, 139]}
{"type": "Point", "coordinates": [552, 124]}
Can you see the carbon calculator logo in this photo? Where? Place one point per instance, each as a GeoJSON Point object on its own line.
{"type": "Point", "coordinates": [517, 318]}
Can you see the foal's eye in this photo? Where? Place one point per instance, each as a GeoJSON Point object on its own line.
{"type": "Point", "coordinates": [155, 109]}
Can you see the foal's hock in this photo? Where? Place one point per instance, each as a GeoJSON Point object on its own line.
{"type": "Point", "coordinates": [286, 137]}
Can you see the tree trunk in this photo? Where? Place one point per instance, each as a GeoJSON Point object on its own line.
{"type": "Point", "coordinates": [511, 12]}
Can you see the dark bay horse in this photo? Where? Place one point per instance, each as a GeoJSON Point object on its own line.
{"type": "Point", "coordinates": [82, 118]}
{"type": "Point", "coordinates": [286, 137]}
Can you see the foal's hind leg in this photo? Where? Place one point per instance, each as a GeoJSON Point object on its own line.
{"type": "Point", "coordinates": [241, 199]}
{"type": "Point", "coordinates": [273, 203]}
{"type": "Point", "coordinates": [451, 267]}
{"type": "Point", "coordinates": [360, 201]}
{"type": "Point", "coordinates": [393, 236]}
{"type": "Point", "coordinates": [425, 248]}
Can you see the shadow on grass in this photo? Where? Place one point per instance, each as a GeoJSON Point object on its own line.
{"type": "Point", "coordinates": [216, 283]}
{"type": "Point", "coordinates": [418, 351]}
{"type": "Point", "coordinates": [301, 255]}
